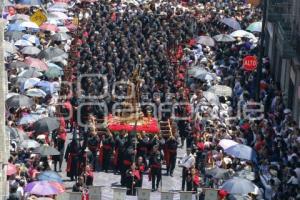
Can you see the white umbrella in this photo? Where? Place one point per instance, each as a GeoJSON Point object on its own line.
{"type": "Point", "coordinates": [59, 15]}
{"type": "Point", "coordinates": [226, 143]}
{"type": "Point", "coordinates": [23, 43]}
{"type": "Point", "coordinates": [231, 22]}
{"type": "Point", "coordinates": [211, 98]}
{"type": "Point", "coordinates": [9, 47]}
{"type": "Point", "coordinates": [29, 25]}
{"type": "Point", "coordinates": [29, 50]}
{"type": "Point", "coordinates": [63, 29]}
{"type": "Point", "coordinates": [31, 82]}
{"type": "Point", "coordinates": [240, 186]}
{"type": "Point", "coordinates": [221, 90]}
{"type": "Point", "coordinates": [206, 40]}
{"type": "Point", "coordinates": [224, 38]}
{"type": "Point", "coordinates": [242, 33]}
{"type": "Point", "coordinates": [35, 92]}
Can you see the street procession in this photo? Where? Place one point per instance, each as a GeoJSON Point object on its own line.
{"type": "Point", "coordinates": [143, 100]}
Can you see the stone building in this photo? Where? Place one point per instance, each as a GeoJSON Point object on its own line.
{"type": "Point", "coordinates": [283, 49]}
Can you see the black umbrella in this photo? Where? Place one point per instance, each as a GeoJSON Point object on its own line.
{"type": "Point", "coordinates": [15, 134]}
{"type": "Point", "coordinates": [17, 101]}
{"type": "Point", "coordinates": [14, 35]}
{"type": "Point", "coordinates": [18, 64]}
{"type": "Point", "coordinates": [217, 172]}
{"type": "Point", "coordinates": [46, 150]}
{"type": "Point", "coordinates": [46, 124]}
{"type": "Point", "coordinates": [52, 52]}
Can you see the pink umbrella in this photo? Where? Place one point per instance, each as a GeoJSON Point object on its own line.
{"type": "Point", "coordinates": [36, 63]}
{"type": "Point", "coordinates": [71, 26]}
{"type": "Point", "coordinates": [48, 27]}
{"type": "Point", "coordinates": [11, 169]}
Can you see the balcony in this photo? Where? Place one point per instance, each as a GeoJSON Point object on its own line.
{"type": "Point", "coordinates": [285, 34]}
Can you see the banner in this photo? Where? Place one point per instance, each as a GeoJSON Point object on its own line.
{"type": "Point", "coordinates": [143, 194]}
{"type": "Point", "coordinates": [167, 195]}
{"type": "Point", "coordinates": [211, 194]}
{"type": "Point", "coordinates": [186, 195]}
{"type": "Point", "coordinates": [95, 192]}
{"type": "Point", "coordinates": [119, 193]}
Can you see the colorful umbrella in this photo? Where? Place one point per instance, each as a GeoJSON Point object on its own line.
{"type": "Point", "coordinates": [18, 64]}
{"type": "Point", "coordinates": [30, 50]}
{"type": "Point", "coordinates": [224, 38]}
{"type": "Point", "coordinates": [49, 27]}
{"type": "Point", "coordinates": [242, 33]}
{"type": "Point", "coordinates": [23, 43]}
{"type": "Point", "coordinates": [9, 47]}
{"type": "Point", "coordinates": [239, 186]}
{"type": "Point", "coordinates": [226, 143]}
{"type": "Point", "coordinates": [30, 144]}
{"type": "Point", "coordinates": [11, 169]}
{"type": "Point", "coordinates": [61, 37]}
{"type": "Point", "coordinates": [51, 53]}
{"type": "Point", "coordinates": [46, 86]}
{"type": "Point", "coordinates": [221, 90]}
{"type": "Point", "coordinates": [18, 101]}
{"type": "Point", "coordinates": [21, 17]}
{"type": "Point", "coordinates": [30, 83]}
{"type": "Point", "coordinates": [242, 151]}
{"type": "Point", "coordinates": [13, 35]}
{"type": "Point", "coordinates": [50, 176]}
{"type": "Point", "coordinates": [42, 188]}
{"type": "Point", "coordinates": [10, 94]}
{"type": "Point", "coordinates": [54, 72]}
{"type": "Point", "coordinates": [15, 27]}
{"type": "Point", "coordinates": [217, 172]}
{"type": "Point", "coordinates": [63, 29]}
{"type": "Point", "coordinates": [46, 150]}
{"type": "Point", "coordinates": [60, 15]}
{"type": "Point", "coordinates": [29, 25]}
{"type": "Point", "coordinates": [30, 2]}
{"type": "Point", "coordinates": [36, 63]}
{"type": "Point", "coordinates": [28, 119]}
{"type": "Point", "coordinates": [255, 27]}
{"type": "Point", "coordinates": [35, 92]}
{"type": "Point", "coordinates": [231, 22]}
{"type": "Point", "coordinates": [30, 73]}
{"type": "Point", "coordinates": [206, 40]}
{"type": "Point", "coordinates": [31, 38]}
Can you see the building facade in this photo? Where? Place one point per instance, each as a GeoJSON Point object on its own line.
{"type": "Point", "coordinates": [283, 49]}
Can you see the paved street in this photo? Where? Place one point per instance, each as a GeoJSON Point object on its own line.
{"type": "Point", "coordinates": [109, 179]}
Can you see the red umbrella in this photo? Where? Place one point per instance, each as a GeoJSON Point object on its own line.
{"type": "Point", "coordinates": [11, 169]}
{"type": "Point", "coordinates": [58, 186]}
{"type": "Point", "coordinates": [49, 27]}
{"type": "Point", "coordinates": [36, 63]}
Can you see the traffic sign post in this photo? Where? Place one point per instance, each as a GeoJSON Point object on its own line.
{"type": "Point", "coordinates": [250, 63]}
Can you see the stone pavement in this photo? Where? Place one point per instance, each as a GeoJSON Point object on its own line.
{"type": "Point", "coordinates": [108, 180]}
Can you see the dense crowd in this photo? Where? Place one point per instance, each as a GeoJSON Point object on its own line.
{"type": "Point", "coordinates": [163, 40]}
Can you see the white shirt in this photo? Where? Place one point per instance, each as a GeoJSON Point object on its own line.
{"type": "Point", "coordinates": [187, 161]}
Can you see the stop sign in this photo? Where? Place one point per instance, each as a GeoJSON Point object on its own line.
{"type": "Point", "coordinates": [250, 63]}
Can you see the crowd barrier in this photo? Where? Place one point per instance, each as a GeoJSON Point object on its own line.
{"type": "Point", "coordinates": [119, 193]}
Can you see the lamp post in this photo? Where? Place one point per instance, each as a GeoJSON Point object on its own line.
{"type": "Point", "coordinates": [261, 50]}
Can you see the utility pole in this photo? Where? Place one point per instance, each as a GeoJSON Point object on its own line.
{"type": "Point", "coordinates": [262, 49]}
{"type": "Point", "coordinates": [4, 151]}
